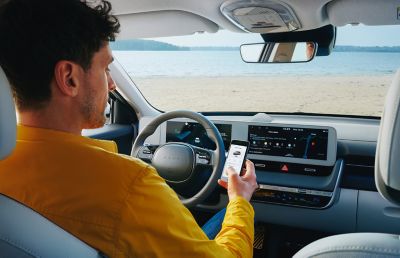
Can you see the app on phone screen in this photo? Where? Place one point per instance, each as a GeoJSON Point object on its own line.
{"type": "Point", "coordinates": [235, 158]}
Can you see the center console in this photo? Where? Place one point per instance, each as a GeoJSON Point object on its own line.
{"type": "Point", "coordinates": [300, 158]}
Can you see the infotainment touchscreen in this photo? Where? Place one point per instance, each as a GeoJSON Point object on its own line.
{"type": "Point", "coordinates": [194, 133]}
{"type": "Point", "coordinates": [289, 142]}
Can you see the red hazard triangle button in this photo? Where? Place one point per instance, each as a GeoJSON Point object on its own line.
{"type": "Point", "coordinates": [284, 168]}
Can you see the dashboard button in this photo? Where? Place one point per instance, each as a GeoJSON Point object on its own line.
{"type": "Point", "coordinates": [312, 170]}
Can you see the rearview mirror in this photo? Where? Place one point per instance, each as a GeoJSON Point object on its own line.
{"type": "Point", "coordinates": [278, 52]}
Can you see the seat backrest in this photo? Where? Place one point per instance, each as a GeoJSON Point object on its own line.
{"type": "Point", "coordinates": [24, 232]}
{"type": "Point", "coordinates": [8, 121]}
{"type": "Point", "coordinates": [387, 160]}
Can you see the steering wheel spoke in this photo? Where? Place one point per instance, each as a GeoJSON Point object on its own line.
{"type": "Point", "coordinates": [204, 157]}
{"type": "Point", "coordinates": [146, 152]}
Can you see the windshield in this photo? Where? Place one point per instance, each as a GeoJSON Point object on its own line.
{"type": "Point", "coordinates": [204, 72]}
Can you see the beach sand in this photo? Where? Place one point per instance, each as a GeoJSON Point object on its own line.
{"type": "Point", "coordinates": [353, 95]}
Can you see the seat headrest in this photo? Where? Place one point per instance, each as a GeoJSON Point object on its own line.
{"type": "Point", "coordinates": [8, 120]}
{"type": "Point", "coordinates": [387, 160]}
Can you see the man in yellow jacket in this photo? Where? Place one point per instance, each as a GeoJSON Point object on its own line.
{"type": "Point", "coordinates": [56, 57]}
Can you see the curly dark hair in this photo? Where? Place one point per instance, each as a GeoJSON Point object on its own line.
{"type": "Point", "coordinates": [35, 35]}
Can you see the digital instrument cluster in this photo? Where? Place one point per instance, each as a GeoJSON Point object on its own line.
{"type": "Point", "coordinates": [195, 134]}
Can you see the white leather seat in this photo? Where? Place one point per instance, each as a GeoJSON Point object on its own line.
{"type": "Point", "coordinates": [8, 120]}
{"type": "Point", "coordinates": [387, 179]}
{"type": "Point", "coordinates": [353, 245]}
{"type": "Point", "coordinates": [24, 232]}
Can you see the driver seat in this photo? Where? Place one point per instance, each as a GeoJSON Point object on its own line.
{"type": "Point", "coordinates": [24, 232]}
{"type": "Point", "coordinates": [387, 180]}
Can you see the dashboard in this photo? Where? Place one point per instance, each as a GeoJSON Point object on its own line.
{"type": "Point", "coordinates": [336, 198]}
{"type": "Point", "coordinates": [303, 144]}
{"type": "Point", "coordinates": [297, 163]}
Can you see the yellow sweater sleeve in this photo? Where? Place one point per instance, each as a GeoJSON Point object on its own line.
{"type": "Point", "coordinates": [237, 233]}
{"type": "Point", "coordinates": [154, 223]}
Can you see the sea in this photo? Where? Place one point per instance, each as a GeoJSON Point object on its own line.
{"type": "Point", "coordinates": [229, 63]}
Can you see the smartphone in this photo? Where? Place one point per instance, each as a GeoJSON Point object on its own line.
{"type": "Point", "coordinates": [236, 157]}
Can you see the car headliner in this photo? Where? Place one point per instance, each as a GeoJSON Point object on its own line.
{"type": "Point", "coordinates": [158, 18]}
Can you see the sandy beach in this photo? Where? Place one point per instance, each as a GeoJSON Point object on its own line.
{"type": "Point", "coordinates": [356, 95]}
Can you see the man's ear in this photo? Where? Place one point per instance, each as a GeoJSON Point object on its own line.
{"type": "Point", "coordinates": [67, 76]}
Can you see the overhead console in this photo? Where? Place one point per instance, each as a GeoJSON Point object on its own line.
{"type": "Point", "coordinates": [260, 16]}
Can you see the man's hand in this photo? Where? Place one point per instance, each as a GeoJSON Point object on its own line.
{"type": "Point", "coordinates": [244, 185]}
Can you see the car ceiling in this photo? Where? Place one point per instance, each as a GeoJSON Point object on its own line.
{"type": "Point", "coordinates": [157, 18]}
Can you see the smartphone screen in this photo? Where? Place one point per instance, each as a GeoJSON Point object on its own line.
{"type": "Point", "coordinates": [236, 157]}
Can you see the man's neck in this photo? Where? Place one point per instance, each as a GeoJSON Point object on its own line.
{"type": "Point", "coordinates": [48, 119]}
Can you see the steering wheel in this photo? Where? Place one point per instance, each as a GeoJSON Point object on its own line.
{"type": "Point", "coordinates": [179, 163]}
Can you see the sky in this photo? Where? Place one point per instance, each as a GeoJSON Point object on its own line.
{"type": "Point", "coordinates": [348, 35]}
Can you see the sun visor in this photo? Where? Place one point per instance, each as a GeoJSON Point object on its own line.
{"type": "Point", "coordinates": [368, 12]}
{"type": "Point", "coordinates": [325, 38]}
{"type": "Point", "coordinates": [163, 24]}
